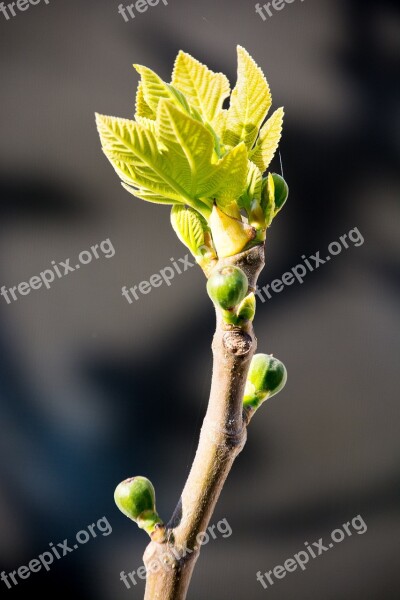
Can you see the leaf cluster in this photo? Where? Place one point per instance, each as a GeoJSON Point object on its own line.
{"type": "Point", "coordinates": [185, 149]}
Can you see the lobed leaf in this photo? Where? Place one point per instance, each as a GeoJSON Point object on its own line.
{"type": "Point", "coordinates": [132, 150]}
{"type": "Point", "coordinates": [204, 89]}
{"type": "Point", "coordinates": [154, 89]}
{"type": "Point", "coordinates": [190, 147]}
{"type": "Point", "coordinates": [230, 178]}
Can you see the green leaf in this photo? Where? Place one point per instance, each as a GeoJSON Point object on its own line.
{"type": "Point", "coordinates": [253, 187]}
{"type": "Point", "coordinates": [155, 89]}
{"type": "Point", "coordinates": [142, 108]}
{"type": "Point", "coordinates": [189, 158]}
{"type": "Point", "coordinates": [149, 196]}
{"type": "Point", "coordinates": [190, 147]}
{"type": "Point", "coordinates": [250, 102]}
{"type": "Point", "coordinates": [147, 123]}
{"type": "Point", "coordinates": [204, 89]}
{"type": "Point", "coordinates": [229, 180]}
{"type": "Point", "coordinates": [268, 199]}
{"type": "Point", "coordinates": [219, 123]}
{"type": "Point", "coordinates": [247, 308]}
{"type": "Point", "coordinates": [134, 154]}
{"type": "Point", "coordinates": [268, 141]}
{"type": "Point", "coordinates": [189, 226]}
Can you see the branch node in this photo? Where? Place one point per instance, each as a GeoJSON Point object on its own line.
{"type": "Point", "coordinates": [237, 342]}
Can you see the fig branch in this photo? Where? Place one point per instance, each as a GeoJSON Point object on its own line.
{"type": "Point", "coordinates": [186, 150]}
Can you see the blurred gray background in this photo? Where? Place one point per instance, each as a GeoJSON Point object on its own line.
{"type": "Point", "coordinates": [94, 390]}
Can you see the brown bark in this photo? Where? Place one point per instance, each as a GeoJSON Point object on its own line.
{"type": "Point", "coordinates": [222, 437]}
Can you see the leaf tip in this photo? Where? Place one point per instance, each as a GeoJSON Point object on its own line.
{"type": "Point", "coordinates": [138, 68]}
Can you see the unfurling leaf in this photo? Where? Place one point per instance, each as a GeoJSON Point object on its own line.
{"type": "Point", "coordinates": [190, 227]}
{"type": "Point", "coordinates": [250, 102]}
{"type": "Point", "coordinates": [274, 195]}
{"type": "Point", "coordinates": [268, 199]}
{"type": "Point", "coordinates": [253, 187]}
{"type": "Point", "coordinates": [246, 309]}
{"type": "Point", "coordinates": [268, 141]}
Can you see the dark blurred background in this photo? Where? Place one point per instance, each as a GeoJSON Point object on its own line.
{"type": "Point", "coordinates": [94, 390]}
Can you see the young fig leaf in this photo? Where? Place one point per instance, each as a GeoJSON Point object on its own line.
{"type": "Point", "coordinates": [250, 102]}
{"type": "Point", "coordinates": [268, 141]}
{"type": "Point", "coordinates": [268, 199]}
{"type": "Point", "coordinates": [204, 89]}
{"type": "Point", "coordinates": [253, 187]}
{"type": "Point", "coordinates": [190, 228]}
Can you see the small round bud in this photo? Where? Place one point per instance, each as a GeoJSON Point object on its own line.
{"type": "Point", "coordinates": [267, 377]}
{"type": "Point", "coordinates": [242, 313]}
{"type": "Point", "coordinates": [281, 191]}
{"type": "Point", "coordinates": [247, 308]}
{"type": "Point", "coordinates": [136, 498]}
{"type": "Point", "coordinates": [227, 287]}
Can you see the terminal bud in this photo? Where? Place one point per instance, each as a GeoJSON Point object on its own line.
{"type": "Point", "coordinates": [230, 234]}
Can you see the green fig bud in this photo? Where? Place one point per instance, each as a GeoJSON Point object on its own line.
{"type": "Point", "coordinates": [267, 376]}
{"type": "Point", "coordinates": [136, 498]}
{"type": "Point", "coordinates": [247, 308]}
{"type": "Point", "coordinates": [275, 192]}
{"type": "Point", "coordinates": [227, 287]}
{"type": "Point", "coordinates": [245, 311]}
{"type": "Point", "coordinates": [281, 191]}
